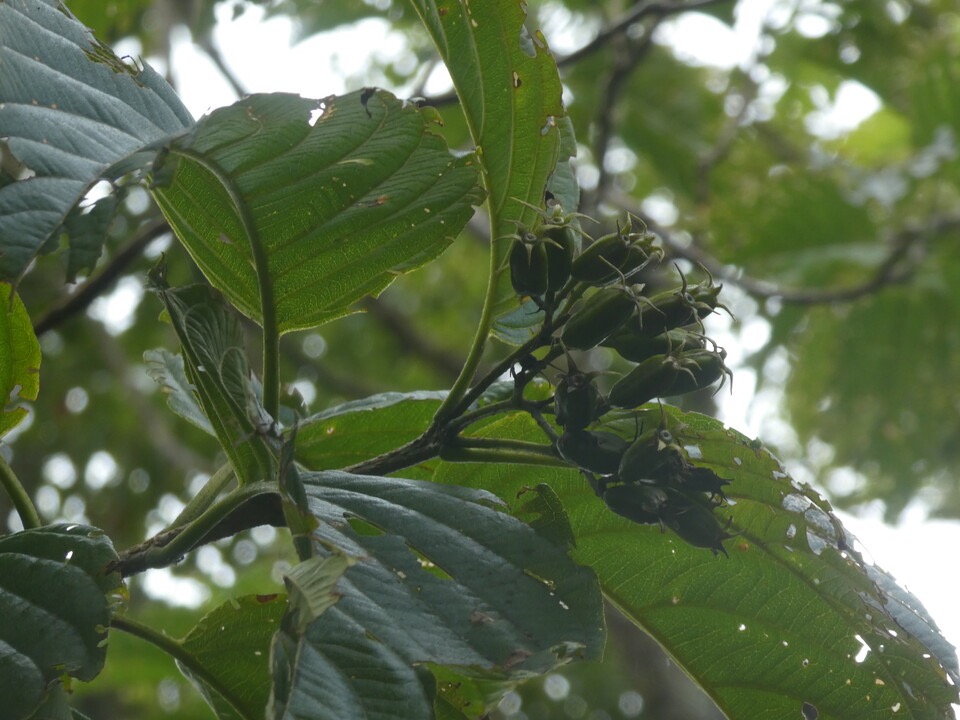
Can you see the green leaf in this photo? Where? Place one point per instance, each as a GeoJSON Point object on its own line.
{"type": "Point", "coordinates": [54, 610]}
{"type": "Point", "coordinates": [216, 366]}
{"type": "Point", "coordinates": [19, 359]}
{"type": "Point", "coordinates": [70, 109]}
{"type": "Point", "coordinates": [232, 644]}
{"type": "Point", "coordinates": [776, 625]}
{"type": "Point", "coordinates": [338, 671]}
{"type": "Point", "coordinates": [362, 429]}
{"type": "Point", "coordinates": [298, 208]}
{"type": "Point", "coordinates": [445, 579]}
{"type": "Point", "coordinates": [510, 92]}
{"type": "Point", "coordinates": [168, 372]}
{"type": "Point", "coordinates": [310, 585]}
{"type": "Point", "coordinates": [86, 227]}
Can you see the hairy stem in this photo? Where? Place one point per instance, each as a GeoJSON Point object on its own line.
{"type": "Point", "coordinates": [18, 495]}
{"type": "Point", "coordinates": [183, 540]}
{"type": "Point", "coordinates": [208, 493]}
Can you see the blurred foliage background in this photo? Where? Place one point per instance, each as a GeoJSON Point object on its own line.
{"type": "Point", "coordinates": [803, 152]}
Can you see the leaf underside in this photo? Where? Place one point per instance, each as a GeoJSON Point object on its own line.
{"type": "Point", "coordinates": [302, 207]}
{"type": "Point", "coordinates": [232, 642]}
{"type": "Point", "coordinates": [792, 617]}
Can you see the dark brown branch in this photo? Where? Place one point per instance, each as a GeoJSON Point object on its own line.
{"type": "Point", "coordinates": [213, 52]}
{"type": "Point", "coordinates": [627, 55]}
{"type": "Point", "coordinates": [98, 284]}
{"type": "Point", "coordinates": [907, 251]}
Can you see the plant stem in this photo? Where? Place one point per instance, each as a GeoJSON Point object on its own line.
{"type": "Point", "coordinates": [18, 495]}
{"type": "Point", "coordinates": [175, 649]}
{"type": "Point", "coordinates": [495, 455]}
{"type": "Point", "coordinates": [208, 493]}
{"type": "Point", "coordinates": [449, 408]}
{"type": "Point", "coordinates": [190, 535]}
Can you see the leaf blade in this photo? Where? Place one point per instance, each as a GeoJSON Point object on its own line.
{"type": "Point", "coordinates": [777, 625]}
{"type": "Point", "coordinates": [19, 359]}
{"type": "Point", "coordinates": [510, 91]}
{"type": "Point", "coordinates": [232, 643]}
{"type": "Point", "coordinates": [54, 610]}
{"type": "Point", "coordinates": [443, 579]}
{"type": "Point", "coordinates": [70, 109]}
{"type": "Point", "coordinates": [303, 207]}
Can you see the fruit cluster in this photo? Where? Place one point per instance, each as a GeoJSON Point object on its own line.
{"type": "Point", "coordinates": [589, 300]}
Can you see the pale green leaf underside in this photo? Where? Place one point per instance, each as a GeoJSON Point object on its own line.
{"type": "Point", "coordinates": [215, 368]}
{"type": "Point", "coordinates": [54, 610]}
{"type": "Point", "coordinates": [766, 630]}
{"type": "Point", "coordinates": [443, 578]}
{"type": "Point", "coordinates": [168, 372]}
{"type": "Point", "coordinates": [70, 109]}
{"type": "Point", "coordinates": [303, 207]}
{"type": "Point", "coordinates": [19, 359]}
{"type": "Point", "coordinates": [232, 643]}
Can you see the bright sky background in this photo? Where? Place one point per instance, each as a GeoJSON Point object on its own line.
{"type": "Point", "coordinates": [914, 551]}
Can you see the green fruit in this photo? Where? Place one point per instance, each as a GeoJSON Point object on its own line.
{"type": "Point", "coordinates": [697, 479]}
{"type": "Point", "coordinates": [600, 315]}
{"type": "Point", "coordinates": [559, 242]}
{"type": "Point", "coordinates": [617, 255]}
{"type": "Point", "coordinates": [650, 379]}
{"type": "Point", "coordinates": [654, 456]}
{"type": "Point", "coordinates": [636, 501]}
{"type": "Point", "coordinates": [677, 308]}
{"type": "Point", "coordinates": [577, 401]}
{"type": "Point", "coordinates": [700, 369]}
{"type": "Point", "coordinates": [528, 266]}
{"type": "Point", "coordinates": [598, 452]}
{"type": "Point", "coordinates": [695, 524]}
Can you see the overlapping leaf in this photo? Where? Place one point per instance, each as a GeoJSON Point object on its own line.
{"type": "Point", "coordinates": [792, 617]}
{"type": "Point", "coordinates": [70, 109]}
{"type": "Point", "coordinates": [510, 91]}
{"type": "Point", "coordinates": [216, 366]}
{"type": "Point", "coordinates": [444, 579]}
{"type": "Point", "coordinates": [362, 429]}
{"type": "Point", "coordinates": [231, 645]}
{"type": "Point", "coordinates": [295, 209]}
{"type": "Point", "coordinates": [168, 371]}
{"type": "Point", "coordinates": [54, 610]}
{"type": "Point", "coordinates": [19, 359]}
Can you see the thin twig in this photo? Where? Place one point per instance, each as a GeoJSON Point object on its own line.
{"type": "Point", "coordinates": [627, 55]}
{"type": "Point", "coordinates": [98, 284]}
{"type": "Point", "coordinates": [907, 252]}
{"type": "Point", "coordinates": [213, 52]}
{"type": "Point", "coordinates": [640, 11]}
